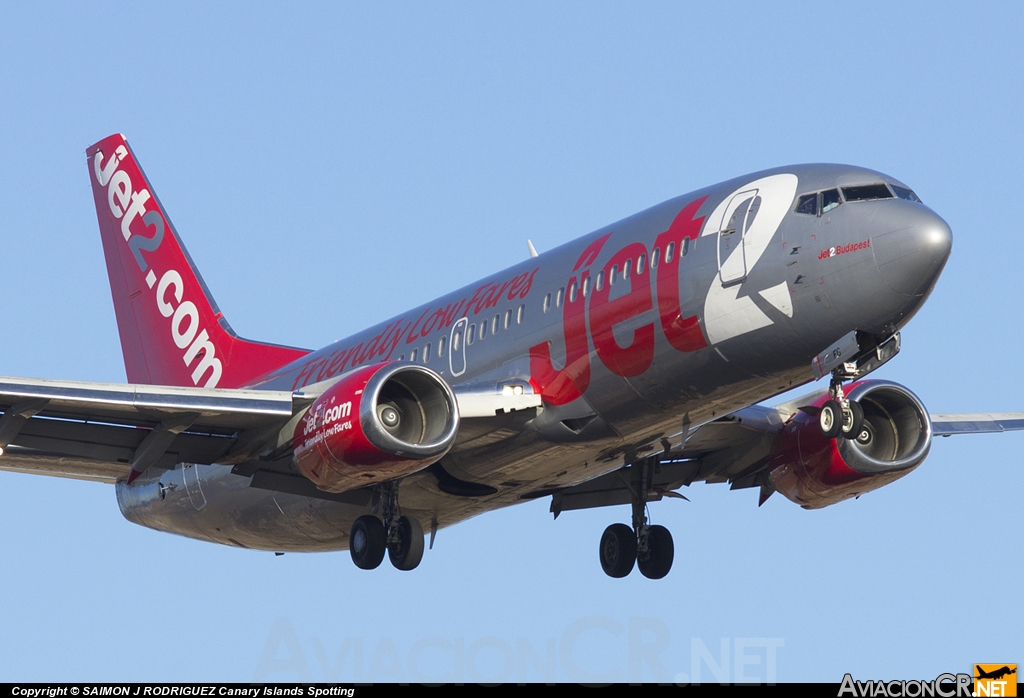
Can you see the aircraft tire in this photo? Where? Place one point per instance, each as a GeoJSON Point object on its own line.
{"type": "Point", "coordinates": [618, 550]}
{"type": "Point", "coordinates": [852, 429]}
{"type": "Point", "coordinates": [406, 552]}
{"type": "Point", "coordinates": [830, 419]}
{"type": "Point", "coordinates": [660, 553]}
{"type": "Point", "coordinates": [367, 542]}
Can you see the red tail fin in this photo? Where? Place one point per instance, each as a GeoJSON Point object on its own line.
{"type": "Point", "coordinates": [172, 332]}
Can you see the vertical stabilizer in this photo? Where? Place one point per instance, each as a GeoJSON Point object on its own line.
{"type": "Point", "coordinates": [172, 332]}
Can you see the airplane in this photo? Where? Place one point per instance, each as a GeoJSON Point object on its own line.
{"type": "Point", "coordinates": [996, 673]}
{"type": "Point", "coordinates": [612, 370]}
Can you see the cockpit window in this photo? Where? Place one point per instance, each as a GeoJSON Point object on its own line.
{"type": "Point", "coordinates": [829, 200]}
{"type": "Point", "coordinates": [867, 192]}
{"type": "Point", "coordinates": [905, 193]}
{"type": "Point", "coordinates": [808, 203]}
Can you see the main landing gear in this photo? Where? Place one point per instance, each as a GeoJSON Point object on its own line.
{"type": "Point", "coordinates": [839, 416]}
{"type": "Point", "coordinates": [648, 547]}
{"type": "Point", "coordinates": [400, 536]}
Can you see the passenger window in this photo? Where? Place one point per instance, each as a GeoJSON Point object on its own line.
{"type": "Point", "coordinates": [868, 192]}
{"type": "Point", "coordinates": [426, 353]}
{"type": "Point", "coordinates": [414, 355]}
{"type": "Point", "coordinates": [558, 297]}
{"type": "Point", "coordinates": [401, 357]}
{"type": "Point", "coordinates": [612, 274]}
{"type": "Point", "coordinates": [508, 318]}
{"type": "Point", "coordinates": [457, 340]}
{"type": "Point", "coordinates": [654, 257]}
{"type": "Point", "coordinates": [829, 200]}
{"type": "Point", "coordinates": [599, 284]}
{"type": "Point", "coordinates": [641, 264]}
{"type": "Point", "coordinates": [440, 346]}
{"type": "Point", "coordinates": [495, 321]}
{"type": "Point", "coordinates": [572, 295]}
{"type": "Point", "coordinates": [808, 203]}
{"type": "Point", "coordinates": [686, 247]}
{"type": "Point", "coordinates": [471, 335]}
{"type": "Point", "coordinates": [625, 268]}
{"type": "Point", "coordinates": [520, 314]}
{"type": "Point", "coordinates": [904, 193]}
{"type": "Point", "coordinates": [586, 286]}
{"type": "Point", "coordinates": [547, 298]}
{"type": "Point", "coordinates": [669, 252]}
{"type": "Point", "coordinates": [483, 330]}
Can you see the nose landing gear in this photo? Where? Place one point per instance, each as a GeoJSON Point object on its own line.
{"type": "Point", "coordinates": [854, 355]}
{"type": "Point", "coordinates": [840, 416]}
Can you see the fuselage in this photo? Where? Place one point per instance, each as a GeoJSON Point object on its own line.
{"type": "Point", "coordinates": [690, 310]}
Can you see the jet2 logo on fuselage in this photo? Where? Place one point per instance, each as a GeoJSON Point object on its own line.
{"type": "Point", "coordinates": [763, 203]}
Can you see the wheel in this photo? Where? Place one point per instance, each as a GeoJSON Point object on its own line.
{"type": "Point", "coordinates": [660, 552]}
{"type": "Point", "coordinates": [852, 427]}
{"type": "Point", "coordinates": [618, 550]}
{"type": "Point", "coordinates": [830, 419]}
{"type": "Point", "coordinates": [406, 551]}
{"type": "Point", "coordinates": [367, 541]}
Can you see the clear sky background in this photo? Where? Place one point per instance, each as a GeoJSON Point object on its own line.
{"type": "Point", "coordinates": [330, 165]}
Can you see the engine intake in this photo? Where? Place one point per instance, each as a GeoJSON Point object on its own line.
{"type": "Point", "coordinates": [814, 471]}
{"type": "Point", "coordinates": [376, 423]}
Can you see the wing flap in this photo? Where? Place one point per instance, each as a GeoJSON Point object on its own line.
{"type": "Point", "coordinates": [60, 465]}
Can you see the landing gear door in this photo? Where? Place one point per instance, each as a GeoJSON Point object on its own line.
{"type": "Point", "coordinates": [457, 342]}
{"type": "Point", "coordinates": [736, 220]}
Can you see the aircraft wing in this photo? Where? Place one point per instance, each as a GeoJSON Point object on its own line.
{"type": "Point", "coordinates": [983, 423]}
{"type": "Point", "coordinates": [100, 431]}
{"type": "Point", "coordinates": [735, 449]}
{"type": "Point", "coordinates": [97, 431]}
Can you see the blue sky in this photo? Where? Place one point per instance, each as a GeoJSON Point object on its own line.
{"type": "Point", "coordinates": [333, 164]}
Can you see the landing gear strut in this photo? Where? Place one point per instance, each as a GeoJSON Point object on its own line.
{"type": "Point", "coordinates": [401, 536]}
{"type": "Point", "coordinates": [840, 416]}
{"type": "Point", "coordinates": [650, 548]}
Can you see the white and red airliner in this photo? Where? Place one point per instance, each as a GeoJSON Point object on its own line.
{"type": "Point", "coordinates": [612, 370]}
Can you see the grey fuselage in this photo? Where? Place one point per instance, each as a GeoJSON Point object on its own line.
{"type": "Point", "coordinates": [759, 292]}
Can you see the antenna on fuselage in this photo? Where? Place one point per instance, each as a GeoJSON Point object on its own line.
{"type": "Point", "coordinates": [533, 250]}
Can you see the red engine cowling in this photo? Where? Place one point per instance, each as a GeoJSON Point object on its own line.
{"type": "Point", "coordinates": [814, 471]}
{"type": "Point", "coordinates": [375, 424]}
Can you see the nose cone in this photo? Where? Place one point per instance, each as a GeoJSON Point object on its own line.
{"type": "Point", "coordinates": [910, 258]}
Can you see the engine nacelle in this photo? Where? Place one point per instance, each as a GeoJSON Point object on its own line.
{"type": "Point", "coordinates": [814, 471]}
{"type": "Point", "coordinates": [375, 424]}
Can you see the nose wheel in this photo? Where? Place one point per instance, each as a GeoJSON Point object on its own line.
{"type": "Point", "coordinates": [840, 416]}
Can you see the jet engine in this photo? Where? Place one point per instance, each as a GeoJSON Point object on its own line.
{"type": "Point", "coordinates": [375, 424]}
{"type": "Point", "coordinates": [815, 471]}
